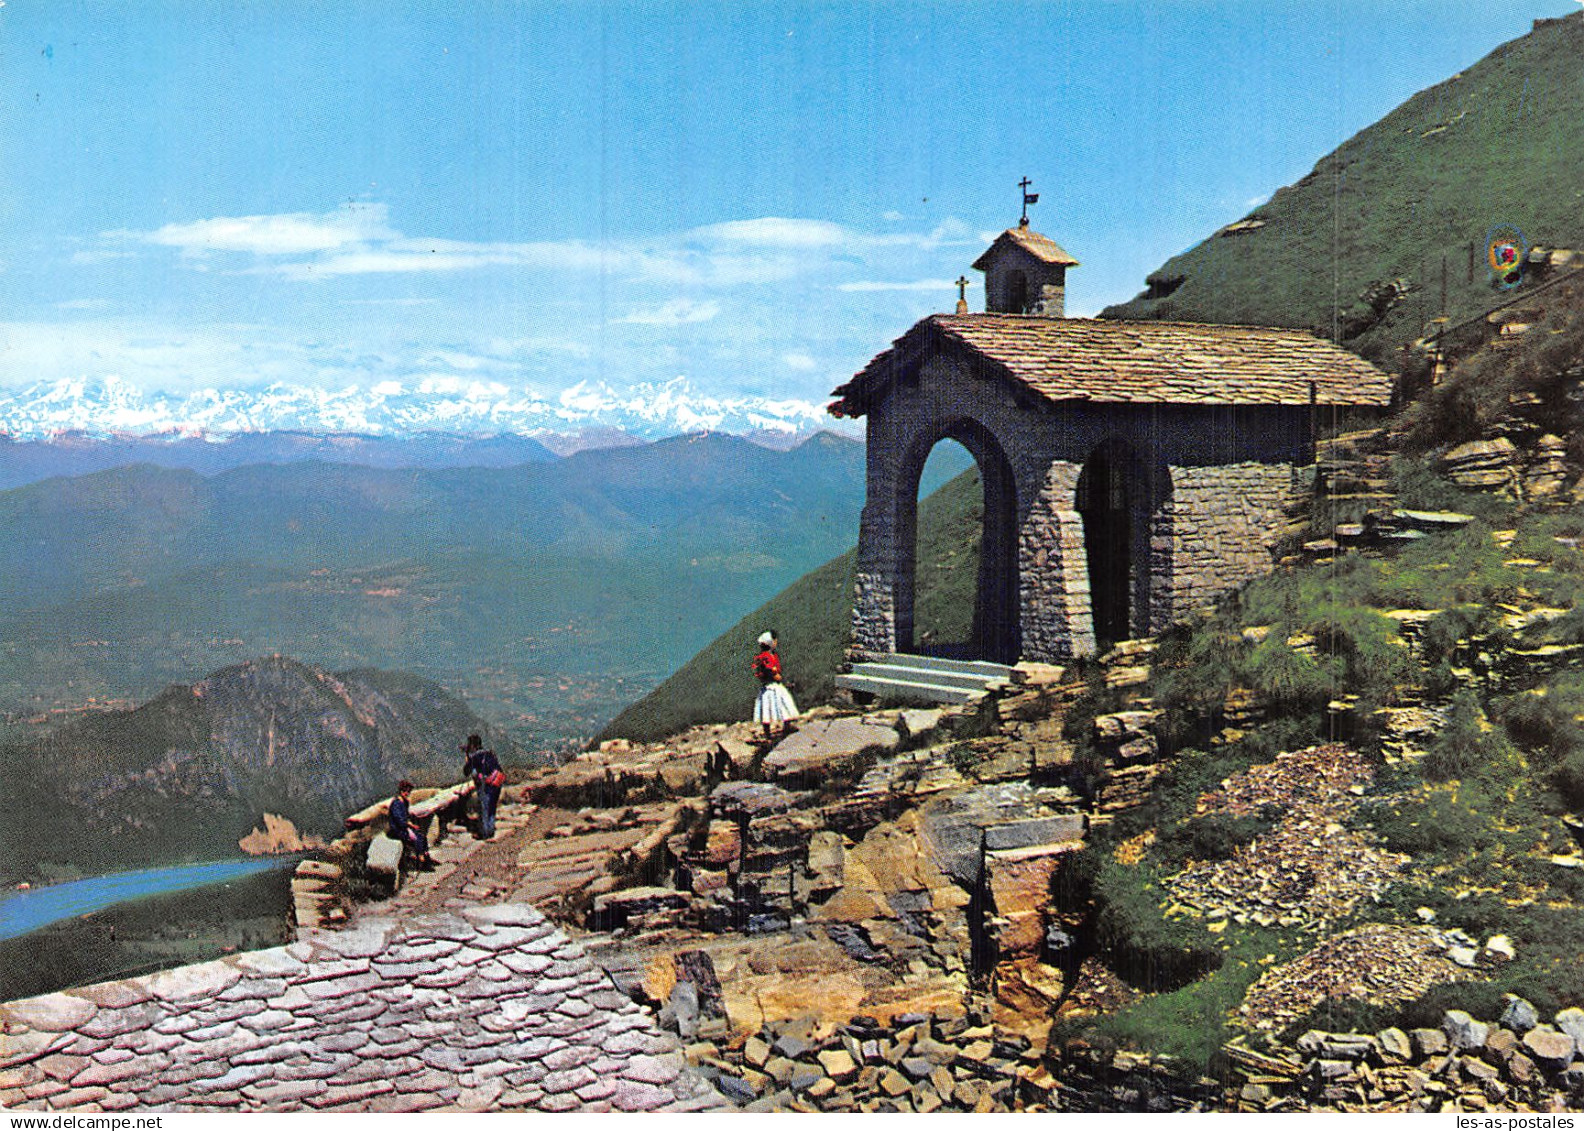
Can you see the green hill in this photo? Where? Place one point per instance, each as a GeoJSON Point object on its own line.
{"type": "Point", "coordinates": [813, 619]}
{"type": "Point", "coordinates": [1501, 143]}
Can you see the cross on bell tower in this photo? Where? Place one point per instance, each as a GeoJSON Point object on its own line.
{"type": "Point", "coordinates": [962, 294]}
{"type": "Point", "coordinates": [1028, 199]}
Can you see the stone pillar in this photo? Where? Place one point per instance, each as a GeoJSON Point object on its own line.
{"type": "Point", "coordinates": [1160, 614]}
{"type": "Point", "coordinates": [874, 624]}
{"type": "Point", "coordinates": [1057, 620]}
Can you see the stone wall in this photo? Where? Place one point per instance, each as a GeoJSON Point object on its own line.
{"type": "Point", "coordinates": [1218, 531]}
{"type": "Point", "coordinates": [493, 1010]}
{"type": "Point", "coordinates": [1210, 485]}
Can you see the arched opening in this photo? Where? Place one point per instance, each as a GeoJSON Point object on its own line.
{"type": "Point", "coordinates": [957, 592]}
{"type": "Point", "coordinates": [950, 531]}
{"type": "Point", "coordinates": [1016, 292]}
{"type": "Point", "coordinates": [1119, 494]}
{"type": "Point", "coordinates": [1103, 498]}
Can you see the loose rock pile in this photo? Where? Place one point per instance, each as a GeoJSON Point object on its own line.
{"type": "Point", "coordinates": [920, 1062]}
{"type": "Point", "coordinates": [1513, 1063]}
{"type": "Point", "coordinates": [1377, 963]}
{"type": "Point", "coordinates": [1309, 870]}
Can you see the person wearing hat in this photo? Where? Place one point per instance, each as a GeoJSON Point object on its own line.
{"type": "Point", "coordinates": [488, 778]}
{"type": "Point", "coordinates": [774, 707]}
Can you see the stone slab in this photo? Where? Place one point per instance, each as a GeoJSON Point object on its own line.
{"type": "Point", "coordinates": [826, 746]}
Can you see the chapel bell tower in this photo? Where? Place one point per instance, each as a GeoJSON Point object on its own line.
{"type": "Point", "coordinates": [1025, 272]}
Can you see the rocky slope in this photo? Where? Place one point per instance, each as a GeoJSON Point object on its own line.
{"type": "Point", "coordinates": [880, 914]}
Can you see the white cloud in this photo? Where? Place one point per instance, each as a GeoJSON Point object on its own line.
{"type": "Point", "coordinates": [358, 240]}
{"type": "Point", "coordinates": [777, 231]}
{"type": "Point", "coordinates": [284, 234]}
{"type": "Point", "coordinates": [893, 216]}
{"type": "Point", "coordinates": [677, 312]}
{"type": "Point", "coordinates": [238, 355]}
{"type": "Point", "coordinates": [806, 298]}
{"type": "Point", "coordinates": [519, 347]}
{"type": "Point", "coordinates": [862, 285]}
{"type": "Point", "coordinates": [386, 263]}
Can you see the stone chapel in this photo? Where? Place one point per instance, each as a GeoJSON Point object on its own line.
{"type": "Point", "coordinates": [1132, 471]}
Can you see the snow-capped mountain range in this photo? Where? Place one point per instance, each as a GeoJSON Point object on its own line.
{"type": "Point", "coordinates": [111, 407]}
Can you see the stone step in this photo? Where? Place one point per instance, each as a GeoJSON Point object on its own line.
{"type": "Point", "coordinates": [968, 681]}
{"type": "Point", "coordinates": [907, 690]}
{"type": "Point", "coordinates": [984, 668]}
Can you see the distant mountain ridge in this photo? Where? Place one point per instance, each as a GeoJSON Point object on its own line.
{"type": "Point", "coordinates": [79, 453]}
{"type": "Point", "coordinates": [550, 593]}
{"type": "Point", "coordinates": [188, 773]}
{"type": "Point", "coordinates": [112, 406]}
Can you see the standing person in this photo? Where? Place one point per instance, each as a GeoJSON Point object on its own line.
{"type": "Point", "coordinates": [488, 777]}
{"type": "Point", "coordinates": [407, 830]}
{"type": "Point", "coordinates": [775, 706]}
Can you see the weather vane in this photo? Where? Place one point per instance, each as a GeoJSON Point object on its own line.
{"type": "Point", "coordinates": [1028, 199]}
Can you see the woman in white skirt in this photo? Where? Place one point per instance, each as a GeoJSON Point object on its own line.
{"type": "Point", "coordinates": [774, 707]}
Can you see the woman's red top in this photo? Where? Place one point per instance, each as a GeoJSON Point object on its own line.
{"type": "Point", "coordinates": [767, 666]}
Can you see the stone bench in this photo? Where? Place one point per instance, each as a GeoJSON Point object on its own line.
{"type": "Point", "coordinates": [426, 803]}
{"type": "Point", "coordinates": [385, 859]}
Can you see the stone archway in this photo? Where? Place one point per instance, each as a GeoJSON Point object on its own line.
{"type": "Point", "coordinates": [1119, 497]}
{"type": "Point", "coordinates": [996, 633]}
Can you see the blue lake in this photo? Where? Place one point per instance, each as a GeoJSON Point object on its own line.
{"type": "Point", "coordinates": [25, 911]}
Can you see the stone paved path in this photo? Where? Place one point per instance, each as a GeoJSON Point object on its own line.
{"type": "Point", "coordinates": [465, 864]}
{"type": "Point", "coordinates": [493, 1009]}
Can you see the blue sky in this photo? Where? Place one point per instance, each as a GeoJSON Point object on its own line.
{"type": "Point", "coordinates": [755, 198]}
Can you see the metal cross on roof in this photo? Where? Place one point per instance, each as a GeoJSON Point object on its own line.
{"type": "Point", "coordinates": [1028, 199]}
{"type": "Point", "coordinates": [962, 288]}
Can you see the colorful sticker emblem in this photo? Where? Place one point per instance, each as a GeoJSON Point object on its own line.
{"type": "Point", "coordinates": [1505, 251]}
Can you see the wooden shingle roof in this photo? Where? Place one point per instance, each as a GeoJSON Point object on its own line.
{"type": "Point", "coordinates": [1115, 362]}
{"type": "Point", "coordinates": [1040, 247]}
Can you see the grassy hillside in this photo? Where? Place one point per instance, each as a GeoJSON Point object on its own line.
{"type": "Point", "coordinates": [1473, 803]}
{"type": "Point", "coordinates": [1501, 143]}
{"type": "Point", "coordinates": [813, 619]}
